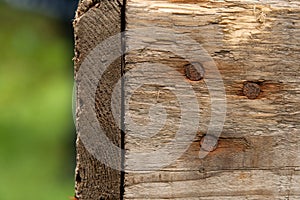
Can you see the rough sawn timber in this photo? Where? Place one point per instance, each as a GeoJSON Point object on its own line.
{"type": "Point", "coordinates": [95, 22]}
{"type": "Point", "coordinates": [258, 153]}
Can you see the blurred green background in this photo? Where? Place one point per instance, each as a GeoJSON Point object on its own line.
{"type": "Point", "coordinates": [37, 155]}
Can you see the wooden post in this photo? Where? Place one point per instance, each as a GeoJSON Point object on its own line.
{"type": "Point", "coordinates": [95, 22]}
{"type": "Point", "coordinates": [178, 53]}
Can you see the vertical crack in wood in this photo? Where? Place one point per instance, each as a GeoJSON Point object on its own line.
{"type": "Point", "coordinates": [123, 46]}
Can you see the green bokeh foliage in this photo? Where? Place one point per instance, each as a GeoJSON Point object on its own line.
{"type": "Point", "coordinates": [36, 128]}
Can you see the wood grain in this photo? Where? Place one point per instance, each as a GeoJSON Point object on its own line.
{"type": "Point", "coordinates": [95, 22]}
{"type": "Point", "coordinates": [258, 154]}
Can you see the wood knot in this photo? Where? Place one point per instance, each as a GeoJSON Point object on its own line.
{"type": "Point", "coordinates": [251, 90]}
{"type": "Point", "coordinates": [194, 71]}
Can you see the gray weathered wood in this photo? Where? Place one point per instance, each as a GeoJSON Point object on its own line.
{"type": "Point", "coordinates": [96, 21]}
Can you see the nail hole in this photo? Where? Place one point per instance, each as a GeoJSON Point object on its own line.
{"type": "Point", "coordinates": [251, 90]}
{"type": "Point", "coordinates": [194, 71]}
{"type": "Point", "coordinates": [208, 143]}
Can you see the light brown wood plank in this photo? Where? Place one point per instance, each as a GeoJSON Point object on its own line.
{"type": "Point", "coordinates": [249, 41]}
{"type": "Point", "coordinates": [262, 184]}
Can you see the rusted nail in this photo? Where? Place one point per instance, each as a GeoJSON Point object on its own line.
{"type": "Point", "coordinates": [194, 71]}
{"type": "Point", "coordinates": [251, 90]}
{"type": "Point", "coordinates": [209, 143]}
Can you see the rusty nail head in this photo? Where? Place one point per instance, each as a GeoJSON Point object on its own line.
{"type": "Point", "coordinates": [194, 71]}
{"type": "Point", "coordinates": [209, 143]}
{"type": "Point", "coordinates": [251, 90]}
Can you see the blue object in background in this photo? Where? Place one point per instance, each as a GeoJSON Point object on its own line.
{"type": "Point", "coordinates": [62, 9]}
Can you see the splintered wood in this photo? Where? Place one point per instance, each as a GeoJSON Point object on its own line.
{"type": "Point", "coordinates": [255, 47]}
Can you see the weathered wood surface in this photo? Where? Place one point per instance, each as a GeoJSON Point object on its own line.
{"type": "Point", "coordinates": [258, 153]}
{"type": "Point", "coordinates": [95, 22]}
